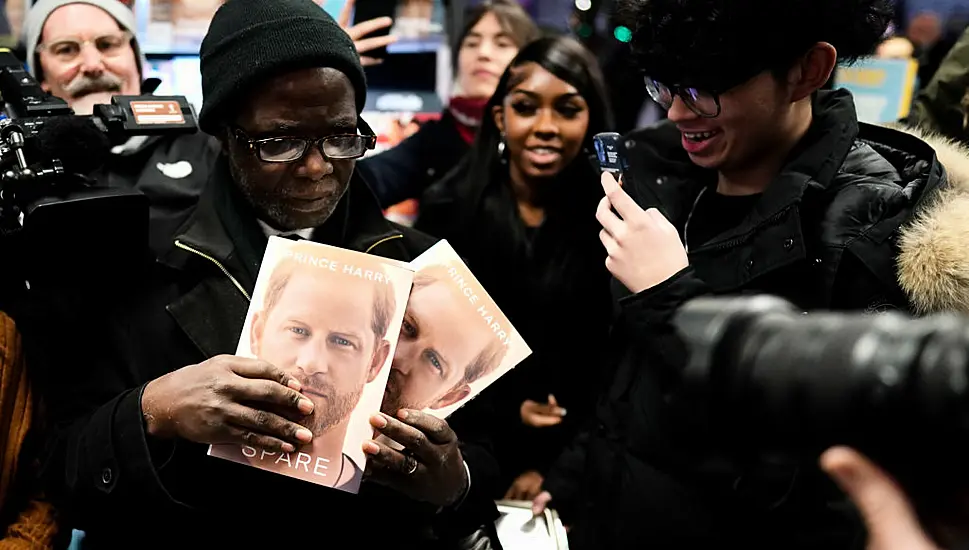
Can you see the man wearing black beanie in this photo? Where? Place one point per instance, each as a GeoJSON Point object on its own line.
{"type": "Point", "coordinates": [283, 90]}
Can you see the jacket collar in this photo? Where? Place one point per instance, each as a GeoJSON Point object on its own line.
{"type": "Point", "coordinates": [224, 227]}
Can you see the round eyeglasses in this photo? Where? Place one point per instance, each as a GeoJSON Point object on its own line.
{"type": "Point", "coordinates": [703, 103]}
{"type": "Point", "coordinates": [68, 49]}
{"type": "Point", "coordinates": [293, 149]}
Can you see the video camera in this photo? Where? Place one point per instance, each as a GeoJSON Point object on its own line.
{"type": "Point", "coordinates": [50, 211]}
{"type": "Point", "coordinates": [779, 386]}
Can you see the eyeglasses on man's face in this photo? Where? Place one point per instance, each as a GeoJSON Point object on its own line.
{"type": "Point", "coordinates": [279, 150]}
{"type": "Point", "coordinates": [67, 49]}
{"type": "Point", "coordinates": [704, 103]}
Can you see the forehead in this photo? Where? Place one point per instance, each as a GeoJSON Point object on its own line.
{"type": "Point", "coordinates": [315, 295]}
{"type": "Point", "coordinates": [535, 79]}
{"type": "Point", "coordinates": [488, 25]}
{"type": "Point", "coordinates": [444, 313]}
{"type": "Point", "coordinates": [78, 20]}
{"type": "Point", "coordinates": [320, 98]}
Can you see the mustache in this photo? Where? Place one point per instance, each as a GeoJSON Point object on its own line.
{"type": "Point", "coordinates": [83, 84]}
{"type": "Point", "coordinates": [317, 383]}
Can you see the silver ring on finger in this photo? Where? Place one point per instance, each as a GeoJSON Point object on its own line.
{"type": "Point", "coordinates": [412, 466]}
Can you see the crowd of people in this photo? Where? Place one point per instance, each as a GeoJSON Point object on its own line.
{"type": "Point", "coordinates": [759, 180]}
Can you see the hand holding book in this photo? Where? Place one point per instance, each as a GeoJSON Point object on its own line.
{"type": "Point", "coordinates": [429, 468]}
{"type": "Point", "coordinates": [359, 334]}
{"type": "Point", "coordinates": [228, 399]}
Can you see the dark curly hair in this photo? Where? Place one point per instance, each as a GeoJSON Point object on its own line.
{"type": "Point", "coordinates": [718, 44]}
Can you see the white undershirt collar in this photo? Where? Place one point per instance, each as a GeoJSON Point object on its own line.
{"type": "Point", "coordinates": [273, 232]}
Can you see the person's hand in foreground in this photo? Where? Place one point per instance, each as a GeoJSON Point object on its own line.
{"type": "Point", "coordinates": [430, 468]}
{"type": "Point", "coordinates": [358, 31]}
{"type": "Point", "coordinates": [889, 516]}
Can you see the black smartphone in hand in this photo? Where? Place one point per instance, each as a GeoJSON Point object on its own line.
{"type": "Point", "coordinates": [607, 153]}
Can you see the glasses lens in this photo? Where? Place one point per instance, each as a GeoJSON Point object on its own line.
{"type": "Point", "coordinates": [282, 150]}
{"type": "Point", "coordinates": [345, 147]}
{"type": "Point", "coordinates": [111, 44]}
{"type": "Point", "coordinates": [65, 50]}
{"type": "Point", "coordinates": [659, 93]}
{"type": "Point", "coordinates": [703, 103]}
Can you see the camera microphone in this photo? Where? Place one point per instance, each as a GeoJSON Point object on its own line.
{"type": "Point", "coordinates": [77, 142]}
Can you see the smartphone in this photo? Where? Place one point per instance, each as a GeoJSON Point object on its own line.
{"type": "Point", "coordinates": [607, 153]}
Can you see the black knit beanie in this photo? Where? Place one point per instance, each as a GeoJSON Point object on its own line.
{"type": "Point", "coordinates": [250, 41]}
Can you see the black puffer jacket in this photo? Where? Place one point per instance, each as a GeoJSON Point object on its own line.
{"type": "Point", "coordinates": [825, 234]}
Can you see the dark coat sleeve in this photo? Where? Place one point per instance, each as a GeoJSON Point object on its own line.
{"type": "Point", "coordinates": [98, 463]}
{"type": "Point", "coordinates": [406, 170]}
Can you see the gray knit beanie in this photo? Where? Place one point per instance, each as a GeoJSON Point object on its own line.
{"type": "Point", "coordinates": [41, 11]}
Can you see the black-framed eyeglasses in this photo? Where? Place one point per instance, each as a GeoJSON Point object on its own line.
{"type": "Point", "coordinates": [292, 149]}
{"type": "Point", "coordinates": [704, 103]}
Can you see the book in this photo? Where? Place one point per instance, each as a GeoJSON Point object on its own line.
{"type": "Point", "coordinates": [331, 318]}
{"type": "Point", "coordinates": [454, 340]}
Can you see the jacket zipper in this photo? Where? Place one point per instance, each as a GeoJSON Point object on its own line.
{"type": "Point", "coordinates": [743, 238]}
{"type": "Point", "coordinates": [380, 242]}
{"type": "Point", "coordinates": [235, 282]}
{"type": "Point", "coordinates": [222, 268]}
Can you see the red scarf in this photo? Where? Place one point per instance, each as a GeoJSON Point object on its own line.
{"type": "Point", "coordinates": [467, 112]}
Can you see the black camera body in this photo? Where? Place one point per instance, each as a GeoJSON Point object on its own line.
{"type": "Point", "coordinates": [778, 386]}
{"type": "Point", "coordinates": [61, 226]}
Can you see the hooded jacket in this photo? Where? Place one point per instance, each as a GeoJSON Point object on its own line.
{"type": "Point", "coordinates": [861, 218]}
{"type": "Point", "coordinates": [933, 264]}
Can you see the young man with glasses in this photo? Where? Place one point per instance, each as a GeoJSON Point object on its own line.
{"type": "Point", "coordinates": [155, 381]}
{"type": "Point", "coordinates": [759, 182]}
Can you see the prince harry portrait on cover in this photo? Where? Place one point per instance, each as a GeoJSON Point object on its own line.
{"type": "Point", "coordinates": [329, 331]}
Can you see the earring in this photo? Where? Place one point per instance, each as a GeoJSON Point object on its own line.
{"type": "Point", "coordinates": [501, 150]}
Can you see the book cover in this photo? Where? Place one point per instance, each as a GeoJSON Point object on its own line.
{"type": "Point", "coordinates": [331, 318]}
{"type": "Point", "coordinates": [454, 340]}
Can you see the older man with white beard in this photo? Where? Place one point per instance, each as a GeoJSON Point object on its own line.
{"type": "Point", "coordinates": [85, 52]}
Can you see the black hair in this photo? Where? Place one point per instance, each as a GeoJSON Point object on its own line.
{"type": "Point", "coordinates": [718, 44]}
{"type": "Point", "coordinates": [567, 60]}
{"type": "Point", "coordinates": [492, 224]}
{"type": "Point", "coordinates": [512, 18]}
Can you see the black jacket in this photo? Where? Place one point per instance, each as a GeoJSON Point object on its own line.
{"type": "Point", "coordinates": [171, 171]}
{"type": "Point", "coordinates": [125, 489]}
{"type": "Point", "coordinates": [550, 282]}
{"type": "Point", "coordinates": [406, 170]}
{"type": "Point", "coordinates": [823, 235]}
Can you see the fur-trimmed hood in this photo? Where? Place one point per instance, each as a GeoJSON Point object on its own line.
{"type": "Point", "coordinates": [933, 264]}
